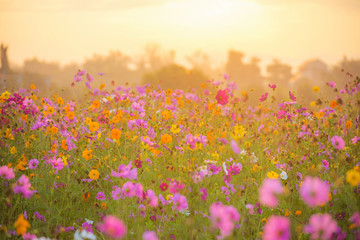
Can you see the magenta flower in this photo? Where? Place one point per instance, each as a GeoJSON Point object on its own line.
{"type": "Point", "coordinates": [128, 189]}
{"type": "Point", "coordinates": [57, 164]}
{"type": "Point", "coordinates": [321, 226]}
{"type": "Point", "coordinates": [314, 192]}
{"type": "Point", "coordinates": [325, 164]}
{"type": "Point", "coordinates": [180, 202]}
{"type": "Point", "coordinates": [277, 228]}
{"type": "Point", "coordinates": [268, 191]}
{"type": "Point", "coordinates": [272, 86]}
{"type": "Point", "coordinates": [6, 173]}
{"type": "Point", "coordinates": [149, 235]}
{"type": "Point", "coordinates": [222, 97]}
{"type": "Point", "coordinates": [22, 186]}
{"type": "Point", "coordinates": [355, 220]}
{"type": "Point", "coordinates": [112, 227]}
{"type": "Point", "coordinates": [338, 142]}
{"type": "Point", "coordinates": [204, 194]}
{"type": "Point", "coordinates": [223, 218]}
{"type": "Point", "coordinates": [33, 163]}
{"type": "Point", "coordinates": [125, 171]}
{"type": "Point", "coordinates": [292, 96]}
{"type": "Point", "coordinates": [263, 97]}
{"type": "Point", "coordinates": [175, 187]}
{"type": "Point", "coordinates": [87, 226]}
{"type": "Point", "coordinates": [100, 196]}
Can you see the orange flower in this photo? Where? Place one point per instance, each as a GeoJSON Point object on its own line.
{"type": "Point", "coordinates": [166, 138]}
{"type": "Point", "coordinates": [86, 196]}
{"type": "Point", "coordinates": [348, 124]}
{"type": "Point", "coordinates": [94, 174]}
{"type": "Point", "coordinates": [115, 134]}
{"type": "Point", "coordinates": [96, 104]}
{"type": "Point", "coordinates": [70, 115]}
{"type": "Point", "coordinates": [87, 154]}
{"type": "Point", "coordinates": [333, 104]}
{"type": "Point", "coordinates": [166, 114]}
{"type": "Point", "coordinates": [94, 126]}
{"type": "Point", "coordinates": [21, 225]}
{"type": "Point", "coordinates": [63, 144]}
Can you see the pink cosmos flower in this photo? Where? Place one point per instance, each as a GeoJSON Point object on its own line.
{"type": "Point", "coordinates": [338, 142]}
{"type": "Point", "coordinates": [153, 199]}
{"type": "Point", "coordinates": [272, 86]}
{"type": "Point", "coordinates": [223, 218]}
{"type": "Point", "coordinates": [22, 186]}
{"type": "Point", "coordinates": [33, 163]}
{"type": "Point", "coordinates": [292, 96]}
{"type": "Point", "coordinates": [314, 192]}
{"type": "Point", "coordinates": [180, 202]}
{"type": "Point", "coordinates": [175, 187]}
{"type": "Point", "coordinates": [268, 191]}
{"type": "Point", "coordinates": [87, 226]}
{"type": "Point", "coordinates": [128, 189]}
{"type": "Point", "coordinates": [321, 226]}
{"type": "Point", "coordinates": [100, 196]}
{"type": "Point", "coordinates": [57, 164]}
{"type": "Point", "coordinates": [355, 220]}
{"type": "Point", "coordinates": [6, 173]}
{"type": "Point", "coordinates": [263, 97]}
{"type": "Point", "coordinates": [125, 171]}
{"type": "Point", "coordinates": [117, 194]}
{"type": "Point", "coordinates": [235, 147]}
{"type": "Point", "coordinates": [222, 97]}
{"type": "Point", "coordinates": [112, 227]}
{"type": "Point", "coordinates": [149, 235]}
{"type": "Point", "coordinates": [277, 228]}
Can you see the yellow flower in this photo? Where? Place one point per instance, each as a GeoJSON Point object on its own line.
{"type": "Point", "coordinates": [272, 174]}
{"type": "Point", "coordinates": [353, 177]}
{"type": "Point", "coordinates": [5, 95]}
{"type": "Point", "coordinates": [175, 129]}
{"type": "Point", "coordinates": [21, 225]}
{"type": "Point", "coordinates": [312, 103]}
{"type": "Point", "coordinates": [94, 126]}
{"type": "Point", "coordinates": [50, 110]}
{"type": "Point", "coordinates": [166, 138]}
{"type": "Point", "coordinates": [316, 88]}
{"type": "Point", "coordinates": [94, 174]}
{"type": "Point", "coordinates": [13, 150]}
{"type": "Point", "coordinates": [239, 131]}
{"type": "Point", "coordinates": [115, 134]}
{"type": "Point", "coordinates": [87, 154]}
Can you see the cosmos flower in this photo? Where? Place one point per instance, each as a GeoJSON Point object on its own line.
{"type": "Point", "coordinates": [112, 227]}
{"type": "Point", "coordinates": [149, 235]}
{"type": "Point", "coordinates": [321, 226]}
{"type": "Point", "coordinates": [314, 192]}
{"type": "Point", "coordinates": [277, 228]}
{"type": "Point", "coordinates": [338, 142]}
{"type": "Point", "coordinates": [268, 191]}
{"type": "Point", "coordinates": [6, 172]}
{"type": "Point", "coordinates": [180, 202]}
{"type": "Point", "coordinates": [222, 97]}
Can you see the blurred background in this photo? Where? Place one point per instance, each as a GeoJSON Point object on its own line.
{"type": "Point", "coordinates": [295, 44]}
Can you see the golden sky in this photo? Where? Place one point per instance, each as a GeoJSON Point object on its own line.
{"type": "Point", "coordinates": [290, 30]}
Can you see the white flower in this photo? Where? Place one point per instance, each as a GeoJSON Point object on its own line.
{"type": "Point", "coordinates": [283, 175]}
{"type": "Point", "coordinates": [84, 235]}
{"type": "Point", "coordinates": [89, 221]}
{"type": "Point", "coordinates": [224, 167]}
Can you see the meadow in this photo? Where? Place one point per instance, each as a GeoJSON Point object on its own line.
{"type": "Point", "coordinates": [151, 163]}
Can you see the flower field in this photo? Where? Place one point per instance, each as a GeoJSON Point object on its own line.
{"type": "Point", "coordinates": [150, 163]}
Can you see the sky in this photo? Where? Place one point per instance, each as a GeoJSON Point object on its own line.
{"type": "Point", "coordinates": [290, 30]}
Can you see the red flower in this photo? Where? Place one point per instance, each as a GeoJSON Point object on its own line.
{"type": "Point", "coordinates": [163, 186]}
